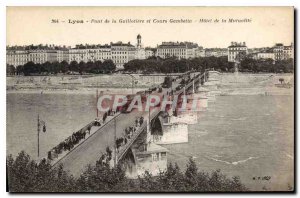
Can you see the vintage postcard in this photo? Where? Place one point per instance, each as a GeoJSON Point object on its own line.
{"type": "Point", "coordinates": [150, 99]}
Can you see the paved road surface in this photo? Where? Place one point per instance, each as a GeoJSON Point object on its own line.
{"type": "Point", "coordinates": [91, 149]}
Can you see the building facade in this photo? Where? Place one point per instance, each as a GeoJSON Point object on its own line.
{"type": "Point", "coordinates": [265, 55]}
{"type": "Point", "coordinates": [288, 52]}
{"type": "Point", "coordinates": [17, 57]}
{"type": "Point", "coordinates": [216, 52]}
{"type": "Point", "coordinates": [175, 49]}
{"type": "Point", "coordinates": [149, 52]}
{"type": "Point", "coordinates": [121, 53]}
{"type": "Point", "coordinates": [236, 51]}
{"type": "Point", "coordinates": [63, 55]}
{"type": "Point", "coordinates": [200, 52]}
{"type": "Point", "coordinates": [39, 56]}
{"type": "Point", "coordinates": [90, 54]}
{"type": "Point", "coordinates": [283, 52]}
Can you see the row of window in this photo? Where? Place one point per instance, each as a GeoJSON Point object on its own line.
{"type": "Point", "coordinates": [170, 54]}
{"type": "Point", "coordinates": [118, 52]}
{"type": "Point", "coordinates": [171, 50]}
{"type": "Point", "coordinates": [238, 48]}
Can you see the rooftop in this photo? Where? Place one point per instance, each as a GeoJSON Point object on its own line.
{"type": "Point", "coordinates": [120, 43]}
{"type": "Point", "coordinates": [178, 44]}
{"type": "Point", "coordinates": [151, 148]}
{"type": "Point", "coordinates": [236, 44]}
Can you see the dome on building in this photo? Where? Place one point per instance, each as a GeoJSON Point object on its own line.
{"type": "Point", "coordinates": [138, 36]}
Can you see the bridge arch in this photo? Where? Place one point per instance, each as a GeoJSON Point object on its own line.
{"type": "Point", "coordinates": [129, 162]}
{"type": "Point", "coordinates": [157, 126]}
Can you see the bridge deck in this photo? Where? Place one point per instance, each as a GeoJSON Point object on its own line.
{"type": "Point", "coordinates": [92, 148]}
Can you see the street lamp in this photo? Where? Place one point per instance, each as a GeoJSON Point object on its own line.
{"type": "Point", "coordinates": [132, 82]}
{"type": "Point", "coordinates": [39, 123]}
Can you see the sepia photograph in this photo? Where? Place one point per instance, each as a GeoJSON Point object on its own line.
{"type": "Point", "coordinates": [150, 99]}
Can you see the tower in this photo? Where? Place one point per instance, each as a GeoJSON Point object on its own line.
{"type": "Point", "coordinates": [139, 41]}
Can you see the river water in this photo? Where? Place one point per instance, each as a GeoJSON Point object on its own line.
{"type": "Point", "coordinates": [247, 136]}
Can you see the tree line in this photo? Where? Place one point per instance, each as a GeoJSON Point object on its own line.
{"type": "Point", "coordinates": [267, 65]}
{"type": "Point", "coordinates": [175, 65]}
{"type": "Point", "coordinates": [31, 68]}
{"type": "Point", "coordinates": [26, 175]}
{"type": "Point", "coordinates": [156, 65]}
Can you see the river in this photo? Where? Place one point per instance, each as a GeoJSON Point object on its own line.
{"type": "Point", "coordinates": [247, 136]}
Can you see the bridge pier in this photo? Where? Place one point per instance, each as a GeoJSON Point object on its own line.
{"type": "Point", "coordinates": [200, 100]}
{"type": "Point", "coordinates": [211, 86]}
{"type": "Point", "coordinates": [147, 157]}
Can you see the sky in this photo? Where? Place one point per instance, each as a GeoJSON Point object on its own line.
{"type": "Point", "coordinates": [265, 26]}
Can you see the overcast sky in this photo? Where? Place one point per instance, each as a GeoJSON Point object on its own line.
{"type": "Point", "coordinates": [32, 25]}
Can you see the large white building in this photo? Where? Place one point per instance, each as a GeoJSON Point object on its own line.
{"type": "Point", "coordinates": [63, 55]}
{"type": "Point", "coordinates": [200, 52]}
{"type": "Point", "coordinates": [177, 49]}
{"type": "Point", "coordinates": [17, 57]}
{"type": "Point", "coordinates": [237, 51]}
{"type": "Point", "coordinates": [268, 54]}
{"type": "Point", "coordinates": [283, 52]}
{"type": "Point", "coordinates": [149, 52]}
{"type": "Point", "coordinates": [276, 53]}
{"type": "Point", "coordinates": [216, 52]}
{"type": "Point", "coordinates": [38, 56]}
{"type": "Point", "coordinates": [89, 53]}
{"type": "Point", "coordinates": [121, 53]}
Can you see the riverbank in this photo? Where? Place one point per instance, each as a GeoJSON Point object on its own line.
{"type": "Point", "coordinates": [228, 84]}
{"type": "Point", "coordinates": [74, 83]}
{"type": "Point", "coordinates": [254, 84]}
{"type": "Point", "coordinates": [79, 91]}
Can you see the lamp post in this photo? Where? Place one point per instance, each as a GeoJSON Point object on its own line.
{"type": "Point", "coordinates": [132, 82]}
{"type": "Point", "coordinates": [39, 123]}
{"type": "Point", "coordinates": [115, 141]}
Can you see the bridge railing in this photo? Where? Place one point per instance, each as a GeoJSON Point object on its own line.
{"type": "Point", "coordinates": [195, 79]}
{"type": "Point", "coordinates": [125, 148]}
{"type": "Point", "coordinates": [63, 154]}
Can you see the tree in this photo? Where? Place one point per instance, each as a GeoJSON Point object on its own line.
{"type": "Point", "coordinates": [64, 66]}
{"type": "Point", "coordinates": [73, 66]}
{"type": "Point", "coordinates": [108, 66]}
{"type": "Point", "coordinates": [81, 67]}
{"type": "Point", "coordinates": [26, 175]}
{"type": "Point", "coordinates": [29, 68]}
{"type": "Point", "coordinates": [281, 80]}
{"type": "Point", "coordinates": [89, 67]}
{"type": "Point", "coordinates": [10, 70]}
{"type": "Point", "coordinates": [97, 67]}
{"type": "Point", "coordinates": [20, 69]}
{"type": "Point", "coordinates": [191, 175]}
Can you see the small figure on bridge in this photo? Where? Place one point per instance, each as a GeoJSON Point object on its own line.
{"type": "Point", "coordinates": [126, 131]}
{"type": "Point", "coordinates": [49, 155]}
{"type": "Point", "coordinates": [83, 134]}
{"type": "Point", "coordinates": [104, 117]}
{"type": "Point", "coordinates": [141, 120]}
{"type": "Point", "coordinates": [97, 122]}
